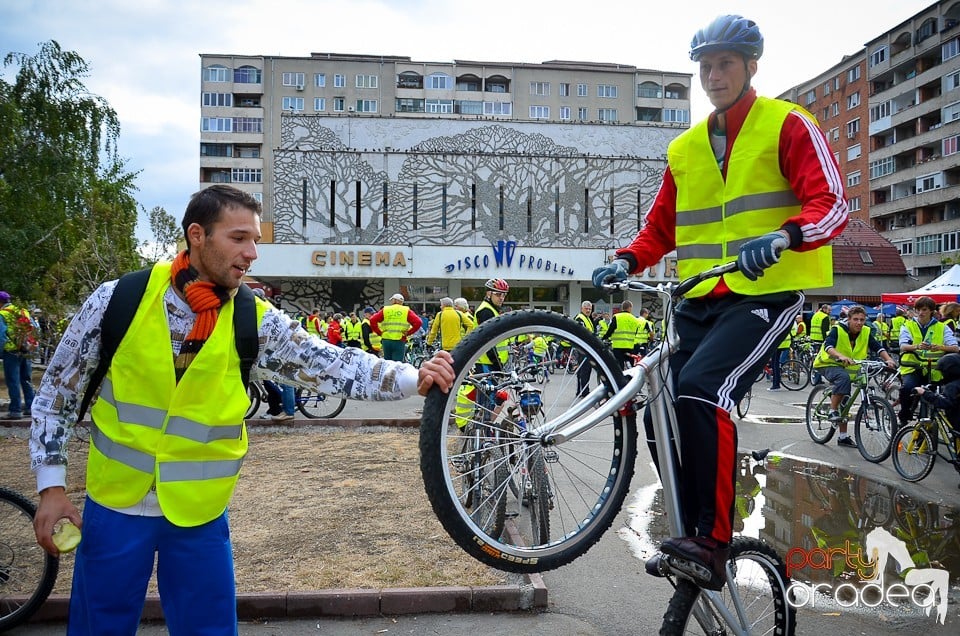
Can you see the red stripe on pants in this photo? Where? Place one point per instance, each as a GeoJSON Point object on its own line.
{"type": "Point", "coordinates": [726, 462]}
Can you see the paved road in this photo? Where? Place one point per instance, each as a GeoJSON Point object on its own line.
{"type": "Point", "coordinates": [606, 591]}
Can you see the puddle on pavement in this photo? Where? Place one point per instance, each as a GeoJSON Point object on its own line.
{"type": "Point", "coordinates": [827, 523]}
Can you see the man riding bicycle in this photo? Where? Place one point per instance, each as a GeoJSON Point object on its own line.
{"type": "Point", "coordinates": [923, 341]}
{"type": "Point", "coordinates": [755, 182]}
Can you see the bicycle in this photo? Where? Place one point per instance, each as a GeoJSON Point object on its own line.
{"type": "Point", "coordinates": [27, 572]}
{"type": "Point", "coordinates": [916, 447]}
{"type": "Point", "coordinates": [312, 405]}
{"type": "Point", "coordinates": [875, 422]}
{"type": "Point", "coordinates": [743, 406]}
{"type": "Point", "coordinates": [589, 446]}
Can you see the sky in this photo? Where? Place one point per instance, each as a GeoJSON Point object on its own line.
{"type": "Point", "coordinates": [144, 56]}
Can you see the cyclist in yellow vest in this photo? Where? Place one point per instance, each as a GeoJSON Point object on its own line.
{"type": "Point", "coordinates": [583, 370]}
{"type": "Point", "coordinates": [644, 332]}
{"type": "Point", "coordinates": [448, 325]}
{"type": "Point", "coordinates": [167, 436]}
{"type": "Point", "coordinates": [847, 341]}
{"type": "Point", "coordinates": [896, 327]}
{"type": "Point", "coordinates": [755, 183]}
{"type": "Point", "coordinates": [17, 357]}
{"type": "Point", "coordinates": [488, 309]}
{"type": "Point", "coordinates": [353, 331]}
{"type": "Point", "coordinates": [371, 339]}
{"type": "Point", "coordinates": [394, 323]}
{"type": "Point", "coordinates": [923, 341]}
{"type": "Point", "coordinates": [622, 333]}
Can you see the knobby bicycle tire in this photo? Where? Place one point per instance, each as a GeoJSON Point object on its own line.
{"type": "Point", "coordinates": [538, 499]}
{"type": "Point", "coordinates": [819, 426]}
{"type": "Point", "coordinates": [874, 428]}
{"type": "Point", "coordinates": [794, 376]}
{"type": "Point", "coordinates": [318, 405]}
{"type": "Point", "coordinates": [587, 476]}
{"type": "Point", "coordinates": [914, 451]}
{"type": "Point", "coordinates": [761, 582]}
{"type": "Point", "coordinates": [27, 572]}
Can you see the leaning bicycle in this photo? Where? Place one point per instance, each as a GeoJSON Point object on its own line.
{"type": "Point", "coordinates": [311, 404]}
{"type": "Point", "coordinates": [27, 572]}
{"type": "Point", "coordinates": [916, 447]}
{"type": "Point", "coordinates": [588, 443]}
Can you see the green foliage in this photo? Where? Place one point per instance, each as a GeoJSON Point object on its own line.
{"type": "Point", "coordinates": [67, 210]}
{"type": "Point", "coordinates": [166, 232]}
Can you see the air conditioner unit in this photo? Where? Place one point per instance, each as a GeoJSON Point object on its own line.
{"type": "Point", "coordinates": [350, 109]}
{"type": "Point", "coordinates": [299, 87]}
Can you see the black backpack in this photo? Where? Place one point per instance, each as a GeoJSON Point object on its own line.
{"type": "Point", "coordinates": [123, 307]}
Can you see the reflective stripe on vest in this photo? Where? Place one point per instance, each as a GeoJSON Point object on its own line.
{"type": "Point", "coordinates": [856, 350]}
{"type": "Point", "coordinates": [394, 324]}
{"type": "Point", "coordinates": [352, 331]}
{"type": "Point", "coordinates": [715, 216]}
{"type": "Point", "coordinates": [187, 439]}
{"type": "Point", "coordinates": [817, 332]}
{"type": "Point", "coordinates": [374, 336]}
{"type": "Point", "coordinates": [625, 337]}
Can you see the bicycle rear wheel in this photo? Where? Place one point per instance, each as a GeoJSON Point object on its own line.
{"type": "Point", "coordinates": [587, 476]}
{"type": "Point", "coordinates": [819, 425]}
{"type": "Point", "coordinates": [874, 428]}
{"type": "Point", "coordinates": [318, 405]}
{"type": "Point", "coordinates": [914, 452]}
{"type": "Point", "coordinates": [794, 376]}
{"type": "Point", "coordinates": [756, 578]}
{"type": "Point", "coordinates": [743, 406]}
{"type": "Point", "coordinates": [27, 572]}
{"type": "Point", "coordinates": [253, 392]}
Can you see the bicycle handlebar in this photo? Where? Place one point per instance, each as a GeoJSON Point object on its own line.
{"type": "Point", "coordinates": [677, 290]}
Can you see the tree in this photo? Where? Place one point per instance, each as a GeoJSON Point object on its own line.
{"type": "Point", "coordinates": [67, 210]}
{"type": "Point", "coordinates": [166, 232]}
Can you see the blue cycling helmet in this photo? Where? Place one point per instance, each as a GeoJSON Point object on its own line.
{"type": "Point", "coordinates": [728, 33]}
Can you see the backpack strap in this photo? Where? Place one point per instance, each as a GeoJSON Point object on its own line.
{"type": "Point", "coordinates": [119, 314]}
{"type": "Point", "coordinates": [245, 330]}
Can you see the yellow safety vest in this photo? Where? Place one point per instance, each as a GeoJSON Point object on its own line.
{"type": "Point", "coordinates": [934, 336]}
{"type": "Point", "coordinates": [586, 322]}
{"type": "Point", "coordinates": [643, 330]}
{"type": "Point", "coordinates": [817, 332]}
{"type": "Point", "coordinates": [716, 216]}
{"type": "Point", "coordinates": [187, 439]}
{"type": "Point", "coordinates": [540, 346]}
{"type": "Point", "coordinates": [312, 321]}
{"type": "Point", "coordinates": [394, 325]}
{"type": "Point", "coordinates": [625, 336]}
{"type": "Point", "coordinates": [503, 347]}
{"type": "Point", "coordinates": [856, 350]}
{"type": "Point", "coordinates": [353, 330]}
{"type": "Point", "coordinates": [374, 337]}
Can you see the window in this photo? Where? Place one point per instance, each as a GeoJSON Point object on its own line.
{"type": "Point", "coordinates": [836, 83]}
{"type": "Point", "coordinates": [216, 124]}
{"type": "Point", "coordinates": [951, 241]}
{"type": "Point", "coordinates": [539, 112]}
{"type": "Point", "coordinates": [565, 113]}
{"type": "Point", "coordinates": [218, 99]}
{"type": "Point", "coordinates": [951, 112]}
{"type": "Point", "coordinates": [853, 100]}
{"type": "Point", "coordinates": [539, 88]}
{"type": "Point", "coordinates": [950, 145]}
{"type": "Point", "coordinates": [853, 74]}
{"type": "Point", "coordinates": [811, 96]}
{"type": "Point", "coordinates": [319, 104]}
{"type": "Point", "coordinates": [468, 107]}
{"type": "Point", "coordinates": [367, 81]}
{"type": "Point", "coordinates": [497, 108]}
{"type": "Point", "coordinates": [339, 81]}
{"type": "Point", "coordinates": [246, 175]}
{"type": "Point", "coordinates": [248, 125]}
{"type": "Point", "coordinates": [826, 114]}
{"type": "Point", "coordinates": [607, 90]}
{"type": "Point", "coordinates": [320, 80]}
{"type": "Point", "coordinates": [216, 73]}
{"type": "Point", "coordinates": [853, 179]}
{"type": "Point", "coordinates": [950, 49]}
{"type": "Point", "coordinates": [582, 114]}
{"type": "Point", "coordinates": [440, 106]}
{"type": "Point", "coordinates": [880, 111]}
{"type": "Point", "coordinates": [930, 244]}
{"type": "Point", "coordinates": [607, 114]}
{"type": "Point", "coordinates": [649, 89]}
{"type": "Point", "coordinates": [407, 105]}
{"type": "Point", "coordinates": [826, 89]}
{"type": "Point", "coordinates": [247, 152]}
{"type": "Point", "coordinates": [835, 108]}
{"type": "Point", "coordinates": [291, 103]}
{"type": "Point", "coordinates": [216, 150]}
{"type": "Point", "coordinates": [853, 127]}
{"type": "Point", "coordinates": [952, 81]}
{"type": "Point", "coordinates": [676, 115]}
{"type": "Point", "coordinates": [564, 90]}
{"type": "Point", "coordinates": [904, 247]}
{"type": "Point", "coordinates": [409, 79]}
{"type": "Point", "coordinates": [247, 75]}
{"type": "Point", "coordinates": [833, 134]}
{"type": "Point", "coordinates": [927, 29]}
{"type": "Point", "coordinates": [469, 83]}
{"type": "Point", "coordinates": [582, 90]}
{"type": "Point", "coordinates": [293, 79]}
{"type": "Point", "coordinates": [366, 105]}
{"type": "Point", "coordinates": [881, 167]}
{"type": "Point", "coordinates": [878, 56]}
{"type": "Point", "coordinates": [836, 158]}
{"type": "Point", "coordinates": [672, 94]}
{"type": "Point", "coordinates": [853, 204]}
{"type": "Point", "coordinates": [439, 82]}
{"type": "Point", "coordinates": [338, 104]}
{"type": "Point", "coordinates": [854, 152]}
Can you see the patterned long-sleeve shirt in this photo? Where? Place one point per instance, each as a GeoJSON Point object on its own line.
{"type": "Point", "coordinates": [288, 354]}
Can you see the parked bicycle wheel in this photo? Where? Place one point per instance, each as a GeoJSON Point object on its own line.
{"type": "Point", "coordinates": [743, 406]}
{"type": "Point", "coordinates": [253, 392]}
{"type": "Point", "coordinates": [587, 476]}
{"type": "Point", "coordinates": [318, 405]}
{"type": "Point", "coordinates": [819, 425]}
{"type": "Point", "coordinates": [537, 499]}
{"type": "Point", "coordinates": [27, 572]}
{"type": "Point", "coordinates": [914, 451]}
{"type": "Point", "coordinates": [757, 577]}
{"type": "Point", "coordinates": [874, 428]}
{"type": "Point", "coordinates": [794, 376]}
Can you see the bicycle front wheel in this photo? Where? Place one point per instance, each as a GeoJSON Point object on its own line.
{"type": "Point", "coordinates": [756, 580]}
{"type": "Point", "coordinates": [743, 406]}
{"type": "Point", "coordinates": [819, 425]}
{"type": "Point", "coordinates": [318, 405]}
{"type": "Point", "coordinates": [253, 394]}
{"type": "Point", "coordinates": [586, 476]}
{"type": "Point", "coordinates": [794, 376]}
{"type": "Point", "coordinates": [874, 428]}
{"type": "Point", "coordinates": [914, 452]}
{"type": "Point", "coordinates": [27, 572]}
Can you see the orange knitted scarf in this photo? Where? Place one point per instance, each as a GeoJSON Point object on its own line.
{"type": "Point", "coordinates": [205, 299]}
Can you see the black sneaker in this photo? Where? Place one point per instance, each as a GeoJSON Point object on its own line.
{"type": "Point", "coordinates": [846, 441]}
{"type": "Point", "coordinates": [701, 559]}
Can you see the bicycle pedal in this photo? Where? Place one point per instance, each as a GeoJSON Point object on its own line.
{"type": "Point", "coordinates": [699, 574]}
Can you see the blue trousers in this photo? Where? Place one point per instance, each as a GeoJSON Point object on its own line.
{"type": "Point", "coordinates": [17, 371]}
{"type": "Point", "coordinates": [114, 563]}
